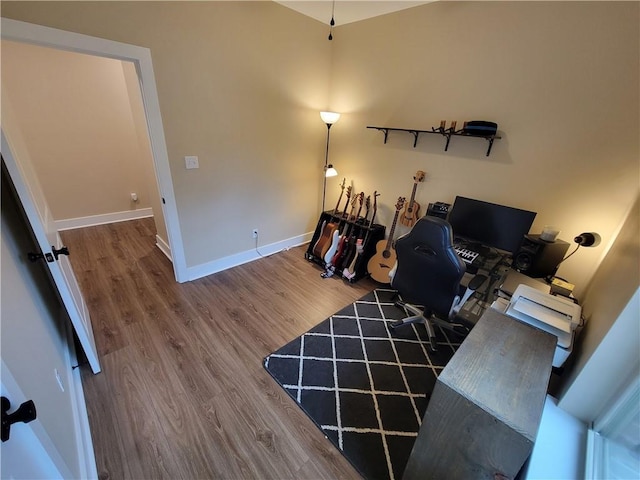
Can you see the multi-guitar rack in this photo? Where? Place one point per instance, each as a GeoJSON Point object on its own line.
{"type": "Point", "coordinates": [359, 245]}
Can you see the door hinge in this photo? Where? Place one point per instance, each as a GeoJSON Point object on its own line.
{"type": "Point", "coordinates": [34, 257]}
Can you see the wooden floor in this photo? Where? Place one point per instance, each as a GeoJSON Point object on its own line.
{"type": "Point", "coordinates": [183, 393]}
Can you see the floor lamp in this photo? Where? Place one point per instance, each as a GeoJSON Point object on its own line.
{"type": "Point", "coordinates": [329, 118]}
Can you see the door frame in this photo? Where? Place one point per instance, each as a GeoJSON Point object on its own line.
{"type": "Point", "coordinates": [18, 31]}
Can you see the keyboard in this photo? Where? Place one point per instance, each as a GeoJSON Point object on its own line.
{"type": "Point", "coordinates": [467, 256]}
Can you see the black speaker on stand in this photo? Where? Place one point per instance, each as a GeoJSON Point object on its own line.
{"type": "Point", "coordinates": [538, 258]}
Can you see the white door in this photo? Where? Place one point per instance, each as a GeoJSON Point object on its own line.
{"type": "Point", "coordinates": [16, 158]}
{"type": "Point", "coordinates": [27, 453]}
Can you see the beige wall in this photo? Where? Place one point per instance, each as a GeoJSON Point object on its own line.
{"type": "Point", "coordinates": [559, 78]}
{"type": "Point", "coordinates": [598, 369]}
{"type": "Point", "coordinates": [75, 113]}
{"type": "Point", "coordinates": [240, 85]}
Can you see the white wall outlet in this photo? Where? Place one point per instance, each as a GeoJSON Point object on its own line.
{"type": "Point", "coordinates": [191, 161]}
{"type": "Point", "coordinates": [254, 233]}
{"type": "Point", "coordinates": [134, 197]}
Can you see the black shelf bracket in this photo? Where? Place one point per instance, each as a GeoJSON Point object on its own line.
{"type": "Point", "coordinates": [447, 133]}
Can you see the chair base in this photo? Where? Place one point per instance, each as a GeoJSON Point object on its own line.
{"type": "Point", "coordinates": [429, 320]}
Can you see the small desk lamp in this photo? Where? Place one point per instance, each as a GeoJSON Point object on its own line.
{"type": "Point", "coordinates": [329, 118]}
{"type": "Point", "coordinates": [586, 239]}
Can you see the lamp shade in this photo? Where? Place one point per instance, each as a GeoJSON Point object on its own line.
{"type": "Point", "coordinates": [588, 239]}
{"type": "Point", "coordinates": [329, 117]}
{"type": "Point", "coordinates": [331, 172]}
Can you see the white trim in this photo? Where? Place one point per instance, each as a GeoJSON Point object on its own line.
{"type": "Point", "coordinates": [102, 219]}
{"type": "Point", "coordinates": [141, 57]}
{"type": "Point", "coordinates": [164, 247]}
{"type": "Point", "coordinates": [221, 264]}
{"type": "Point", "coordinates": [84, 442]}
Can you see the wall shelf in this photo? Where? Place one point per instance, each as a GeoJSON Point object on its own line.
{"type": "Point", "coordinates": [445, 132]}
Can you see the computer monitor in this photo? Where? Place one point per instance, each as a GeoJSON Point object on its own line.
{"type": "Point", "coordinates": [489, 224]}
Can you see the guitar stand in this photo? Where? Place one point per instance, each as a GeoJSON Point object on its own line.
{"type": "Point", "coordinates": [373, 234]}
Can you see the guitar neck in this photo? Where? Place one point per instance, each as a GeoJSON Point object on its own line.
{"type": "Point", "coordinates": [392, 231]}
{"type": "Point", "coordinates": [413, 194]}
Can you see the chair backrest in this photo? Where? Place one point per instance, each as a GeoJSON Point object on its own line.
{"type": "Point", "coordinates": [429, 271]}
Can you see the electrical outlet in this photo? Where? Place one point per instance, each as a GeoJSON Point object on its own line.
{"type": "Point", "coordinates": [191, 161]}
{"type": "Point", "coordinates": [254, 233]}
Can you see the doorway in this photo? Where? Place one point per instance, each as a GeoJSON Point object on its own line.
{"type": "Point", "coordinates": [141, 58]}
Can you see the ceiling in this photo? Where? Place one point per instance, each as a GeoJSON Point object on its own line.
{"type": "Point", "coordinates": [347, 11]}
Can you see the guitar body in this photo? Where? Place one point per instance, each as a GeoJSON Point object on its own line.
{"type": "Point", "coordinates": [382, 262]}
{"type": "Point", "coordinates": [411, 215]}
{"type": "Point", "coordinates": [342, 244]}
{"type": "Point", "coordinates": [324, 242]}
{"type": "Point", "coordinates": [333, 246]}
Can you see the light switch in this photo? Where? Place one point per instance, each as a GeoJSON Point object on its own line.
{"type": "Point", "coordinates": [191, 161]}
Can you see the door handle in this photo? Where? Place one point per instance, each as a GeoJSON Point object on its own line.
{"type": "Point", "coordinates": [25, 414]}
{"type": "Point", "coordinates": [62, 251]}
{"type": "Point", "coordinates": [34, 257]}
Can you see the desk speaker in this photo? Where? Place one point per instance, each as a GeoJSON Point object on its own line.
{"type": "Point", "coordinates": [537, 258]}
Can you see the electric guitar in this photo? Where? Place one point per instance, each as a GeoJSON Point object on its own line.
{"type": "Point", "coordinates": [348, 238]}
{"type": "Point", "coordinates": [326, 232]}
{"type": "Point", "coordinates": [350, 271]}
{"type": "Point", "coordinates": [337, 239]}
{"type": "Point", "coordinates": [351, 249]}
{"type": "Point", "coordinates": [384, 259]}
{"type": "Point", "coordinates": [335, 210]}
{"type": "Point", "coordinates": [411, 209]}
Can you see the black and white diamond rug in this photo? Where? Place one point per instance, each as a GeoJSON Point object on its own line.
{"type": "Point", "coordinates": [366, 386]}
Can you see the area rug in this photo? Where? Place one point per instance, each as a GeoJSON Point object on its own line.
{"type": "Point", "coordinates": [364, 385]}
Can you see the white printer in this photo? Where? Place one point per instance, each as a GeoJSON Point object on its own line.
{"type": "Point", "coordinates": [556, 315]}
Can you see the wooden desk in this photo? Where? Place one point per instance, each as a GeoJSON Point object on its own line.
{"type": "Point", "coordinates": [485, 409]}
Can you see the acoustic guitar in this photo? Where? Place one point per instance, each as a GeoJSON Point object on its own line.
{"type": "Point", "coordinates": [412, 209]}
{"type": "Point", "coordinates": [384, 259]}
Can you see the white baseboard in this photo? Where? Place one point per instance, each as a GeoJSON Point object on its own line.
{"type": "Point", "coordinates": [93, 220]}
{"type": "Point", "coordinates": [164, 247]}
{"type": "Point", "coordinates": [199, 271]}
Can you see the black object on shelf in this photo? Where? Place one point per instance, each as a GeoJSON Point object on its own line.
{"type": "Point", "coordinates": [475, 129]}
{"type": "Point", "coordinates": [370, 235]}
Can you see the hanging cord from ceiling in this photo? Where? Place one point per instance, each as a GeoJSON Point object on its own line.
{"type": "Point", "coordinates": [332, 22]}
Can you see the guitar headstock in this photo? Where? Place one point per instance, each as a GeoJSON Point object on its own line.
{"type": "Point", "coordinates": [367, 204]}
{"type": "Point", "coordinates": [344, 180]}
{"type": "Point", "coordinates": [361, 198]}
{"type": "Point", "coordinates": [349, 188]}
{"type": "Point", "coordinates": [419, 176]}
{"type": "Point", "coordinates": [354, 200]}
{"type": "Point", "coordinates": [375, 200]}
{"type": "Point", "coordinates": [400, 203]}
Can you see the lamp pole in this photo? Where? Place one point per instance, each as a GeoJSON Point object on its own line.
{"type": "Point", "coordinates": [326, 166]}
{"type": "Point", "coordinates": [329, 118]}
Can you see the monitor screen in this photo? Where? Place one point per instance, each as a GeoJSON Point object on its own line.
{"type": "Point", "coordinates": [490, 224]}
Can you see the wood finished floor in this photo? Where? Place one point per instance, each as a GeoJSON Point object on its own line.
{"type": "Point", "coordinates": [183, 393]}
